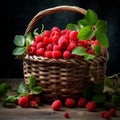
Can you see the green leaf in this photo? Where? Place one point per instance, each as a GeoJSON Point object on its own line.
{"type": "Point", "coordinates": [23, 89]}
{"type": "Point", "coordinates": [91, 17]}
{"type": "Point", "coordinates": [98, 88]}
{"type": "Point", "coordinates": [32, 82]}
{"type": "Point", "coordinates": [11, 99]}
{"type": "Point", "coordinates": [116, 99]}
{"type": "Point", "coordinates": [102, 38]}
{"type": "Point", "coordinates": [42, 29]}
{"type": "Point", "coordinates": [109, 83]}
{"type": "Point", "coordinates": [108, 105]}
{"type": "Point", "coordinates": [71, 26]}
{"type": "Point", "coordinates": [97, 50]}
{"type": "Point", "coordinates": [29, 39]}
{"type": "Point", "coordinates": [9, 105]}
{"type": "Point", "coordinates": [83, 22]}
{"type": "Point", "coordinates": [89, 92]}
{"type": "Point", "coordinates": [79, 51]}
{"type": "Point", "coordinates": [99, 98]}
{"type": "Point", "coordinates": [19, 51]}
{"type": "Point", "coordinates": [101, 26]}
{"type": "Point", "coordinates": [35, 32]}
{"type": "Point", "coordinates": [19, 40]}
{"type": "Point", "coordinates": [36, 90]}
{"type": "Point", "coordinates": [89, 56]}
{"type": "Point", "coordinates": [86, 33]}
{"type": "Point", "coordinates": [3, 89]}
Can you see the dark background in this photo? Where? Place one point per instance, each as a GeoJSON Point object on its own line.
{"type": "Point", "coordinates": [16, 14]}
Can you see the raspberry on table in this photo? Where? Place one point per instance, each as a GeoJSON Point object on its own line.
{"type": "Point", "coordinates": [70, 102]}
{"type": "Point", "coordinates": [23, 101]}
{"type": "Point", "coordinates": [112, 112]}
{"type": "Point", "coordinates": [66, 115]}
{"type": "Point", "coordinates": [82, 102]}
{"type": "Point", "coordinates": [91, 106]}
{"type": "Point", "coordinates": [56, 105]}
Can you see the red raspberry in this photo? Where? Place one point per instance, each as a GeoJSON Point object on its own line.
{"type": "Point", "coordinates": [46, 40]}
{"type": "Point", "coordinates": [91, 51]}
{"type": "Point", "coordinates": [63, 42]}
{"type": "Point", "coordinates": [82, 102]}
{"type": "Point", "coordinates": [71, 46]}
{"type": "Point", "coordinates": [56, 47]}
{"type": "Point", "coordinates": [33, 103]}
{"type": "Point", "coordinates": [95, 42]}
{"type": "Point", "coordinates": [73, 35]}
{"type": "Point", "coordinates": [39, 45]}
{"type": "Point", "coordinates": [55, 33]}
{"type": "Point", "coordinates": [30, 97]}
{"type": "Point", "coordinates": [112, 112]}
{"type": "Point", "coordinates": [48, 54]}
{"type": "Point", "coordinates": [107, 115]}
{"type": "Point", "coordinates": [85, 43]}
{"type": "Point", "coordinates": [46, 33]}
{"type": "Point", "coordinates": [67, 54]}
{"type": "Point", "coordinates": [55, 39]}
{"type": "Point", "coordinates": [55, 29]}
{"type": "Point", "coordinates": [23, 101]}
{"type": "Point", "coordinates": [66, 114]}
{"type": "Point", "coordinates": [34, 44]}
{"type": "Point", "coordinates": [56, 105]}
{"type": "Point", "coordinates": [37, 100]}
{"type": "Point", "coordinates": [56, 54]}
{"type": "Point", "coordinates": [91, 106]}
{"type": "Point", "coordinates": [38, 38]}
{"type": "Point", "coordinates": [65, 32]}
{"type": "Point", "coordinates": [70, 102]}
{"type": "Point", "coordinates": [31, 50]}
{"type": "Point", "coordinates": [103, 113]}
{"type": "Point", "coordinates": [93, 38]}
{"type": "Point", "coordinates": [49, 47]}
{"type": "Point", "coordinates": [40, 52]}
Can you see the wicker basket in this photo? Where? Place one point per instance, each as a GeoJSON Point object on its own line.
{"type": "Point", "coordinates": [62, 78]}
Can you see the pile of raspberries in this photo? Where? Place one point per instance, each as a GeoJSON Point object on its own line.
{"type": "Point", "coordinates": [56, 43]}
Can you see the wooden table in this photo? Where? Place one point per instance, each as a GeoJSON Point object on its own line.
{"type": "Point", "coordinates": [45, 111]}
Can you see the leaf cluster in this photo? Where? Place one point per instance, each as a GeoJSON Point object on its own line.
{"type": "Point", "coordinates": [23, 90]}
{"type": "Point", "coordinates": [87, 28]}
{"type": "Point", "coordinates": [22, 42]}
{"type": "Point", "coordinates": [102, 95]}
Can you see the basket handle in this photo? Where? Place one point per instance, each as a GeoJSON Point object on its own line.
{"type": "Point", "coordinates": [46, 12]}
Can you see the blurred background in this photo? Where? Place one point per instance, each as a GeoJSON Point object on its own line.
{"type": "Point", "coordinates": [16, 14]}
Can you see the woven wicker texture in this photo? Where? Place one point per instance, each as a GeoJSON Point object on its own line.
{"type": "Point", "coordinates": [62, 78]}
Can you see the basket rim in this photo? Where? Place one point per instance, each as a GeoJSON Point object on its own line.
{"type": "Point", "coordinates": [42, 59]}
